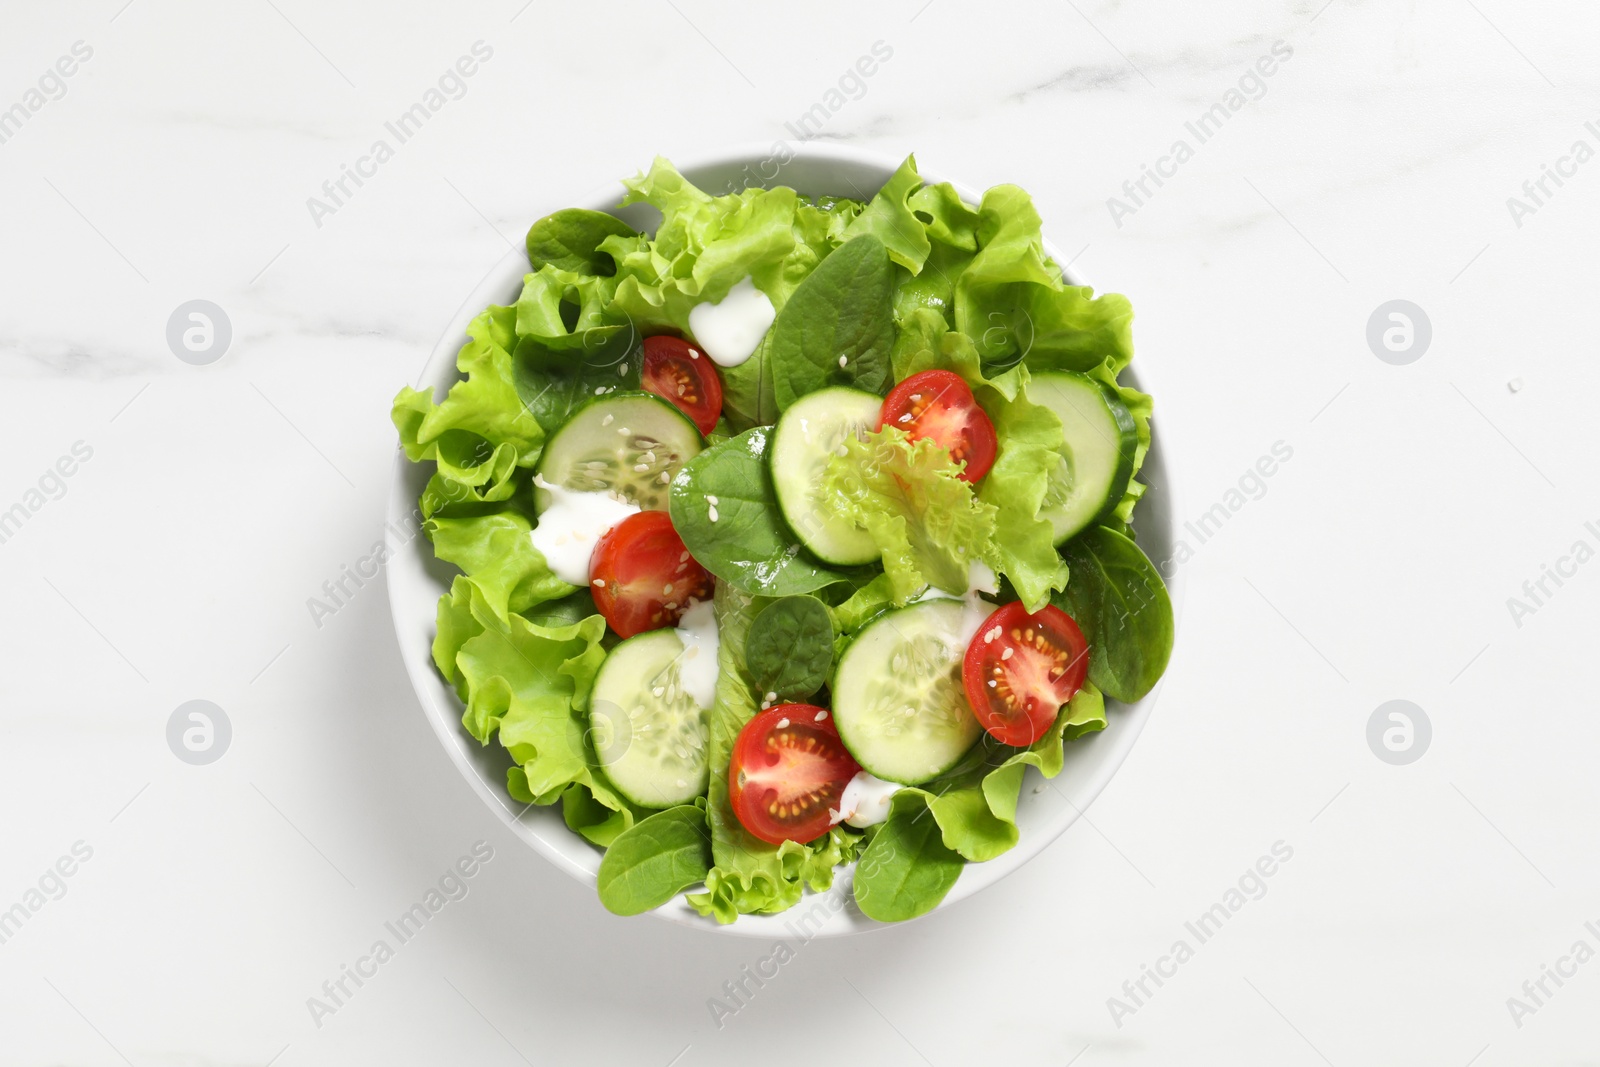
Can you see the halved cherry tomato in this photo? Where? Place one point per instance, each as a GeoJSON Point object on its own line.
{"type": "Point", "coordinates": [937, 404]}
{"type": "Point", "coordinates": [642, 577]}
{"type": "Point", "coordinates": [1021, 668]}
{"type": "Point", "coordinates": [788, 768]}
{"type": "Point", "coordinates": [680, 372]}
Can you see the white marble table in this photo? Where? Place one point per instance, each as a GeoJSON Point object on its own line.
{"type": "Point", "coordinates": [207, 504]}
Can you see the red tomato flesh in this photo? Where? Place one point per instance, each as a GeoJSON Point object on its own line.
{"type": "Point", "coordinates": [788, 768]}
{"type": "Point", "coordinates": [642, 577]}
{"type": "Point", "coordinates": [1021, 668]}
{"type": "Point", "coordinates": [938, 405]}
{"type": "Point", "coordinates": [681, 373]}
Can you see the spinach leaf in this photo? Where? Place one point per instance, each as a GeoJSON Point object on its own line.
{"type": "Point", "coordinates": [554, 378]}
{"type": "Point", "coordinates": [838, 326]}
{"type": "Point", "coordinates": [906, 869]}
{"type": "Point", "coordinates": [655, 859]}
{"type": "Point", "coordinates": [571, 239]}
{"type": "Point", "coordinates": [1117, 597]}
{"type": "Point", "coordinates": [790, 648]}
{"type": "Point", "coordinates": [747, 398]}
{"type": "Point", "coordinates": [723, 506]}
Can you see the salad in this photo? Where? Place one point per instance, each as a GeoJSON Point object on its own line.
{"type": "Point", "coordinates": [790, 535]}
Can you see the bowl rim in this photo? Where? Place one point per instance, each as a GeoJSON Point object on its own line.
{"type": "Point", "coordinates": [411, 566]}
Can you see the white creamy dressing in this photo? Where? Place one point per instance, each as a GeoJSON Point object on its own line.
{"type": "Point", "coordinates": [697, 670]}
{"type": "Point", "coordinates": [569, 528]}
{"type": "Point", "coordinates": [730, 331]}
{"type": "Point", "coordinates": [980, 579]}
{"type": "Point", "coordinates": [864, 802]}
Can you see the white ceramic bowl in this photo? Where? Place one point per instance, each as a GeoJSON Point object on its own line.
{"type": "Point", "coordinates": [416, 580]}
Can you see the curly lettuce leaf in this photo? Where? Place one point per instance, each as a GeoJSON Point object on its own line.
{"type": "Point", "coordinates": [1031, 440]}
{"type": "Point", "coordinates": [480, 433]}
{"type": "Point", "coordinates": [890, 218]}
{"type": "Point", "coordinates": [530, 682]}
{"type": "Point", "coordinates": [703, 247]}
{"type": "Point", "coordinates": [975, 804]}
{"type": "Point", "coordinates": [751, 875]}
{"type": "Point", "coordinates": [1012, 300]}
{"type": "Point", "coordinates": [496, 552]}
{"type": "Point", "coordinates": [926, 521]}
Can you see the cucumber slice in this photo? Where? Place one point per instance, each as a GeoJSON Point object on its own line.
{"type": "Point", "coordinates": [1097, 462]}
{"type": "Point", "coordinates": [808, 435]}
{"type": "Point", "coordinates": [649, 735]}
{"type": "Point", "coordinates": [630, 444]}
{"type": "Point", "coordinates": [898, 698]}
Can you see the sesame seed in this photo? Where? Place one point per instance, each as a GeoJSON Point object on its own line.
{"type": "Point", "coordinates": [1006, 654]}
{"type": "Point", "coordinates": [683, 557]}
{"type": "Point", "coordinates": [821, 715]}
{"type": "Point", "coordinates": [713, 501]}
{"type": "Point", "coordinates": [842, 361]}
{"type": "Point", "coordinates": [712, 514]}
{"type": "Point", "coordinates": [623, 430]}
{"type": "Point", "coordinates": [782, 723]}
{"type": "Point", "coordinates": [693, 354]}
{"type": "Point", "coordinates": [599, 390]}
{"type": "Point", "coordinates": [607, 420]}
{"type": "Point", "coordinates": [666, 590]}
{"type": "Point", "coordinates": [993, 683]}
{"type": "Point", "coordinates": [599, 583]}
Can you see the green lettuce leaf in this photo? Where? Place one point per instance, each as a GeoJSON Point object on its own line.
{"type": "Point", "coordinates": [975, 803]}
{"type": "Point", "coordinates": [480, 433]}
{"type": "Point", "coordinates": [1030, 440]}
{"type": "Point", "coordinates": [889, 217]}
{"type": "Point", "coordinates": [751, 875]}
{"type": "Point", "coordinates": [497, 554]}
{"type": "Point", "coordinates": [927, 522]}
{"type": "Point", "coordinates": [1012, 300]}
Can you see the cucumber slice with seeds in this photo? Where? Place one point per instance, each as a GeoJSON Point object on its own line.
{"type": "Point", "coordinates": [1097, 460]}
{"type": "Point", "coordinates": [898, 698]}
{"type": "Point", "coordinates": [808, 436]}
{"type": "Point", "coordinates": [649, 735]}
{"type": "Point", "coordinates": [630, 444]}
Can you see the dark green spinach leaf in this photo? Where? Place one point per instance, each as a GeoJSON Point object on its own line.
{"type": "Point", "coordinates": [655, 859]}
{"type": "Point", "coordinates": [723, 506]}
{"type": "Point", "coordinates": [570, 240]}
{"type": "Point", "coordinates": [790, 648]}
{"type": "Point", "coordinates": [1116, 595]}
{"type": "Point", "coordinates": [906, 869]}
{"type": "Point", "coordinates": [555, 378]}
{"type": "Point", "coordinates": [838, 326]}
